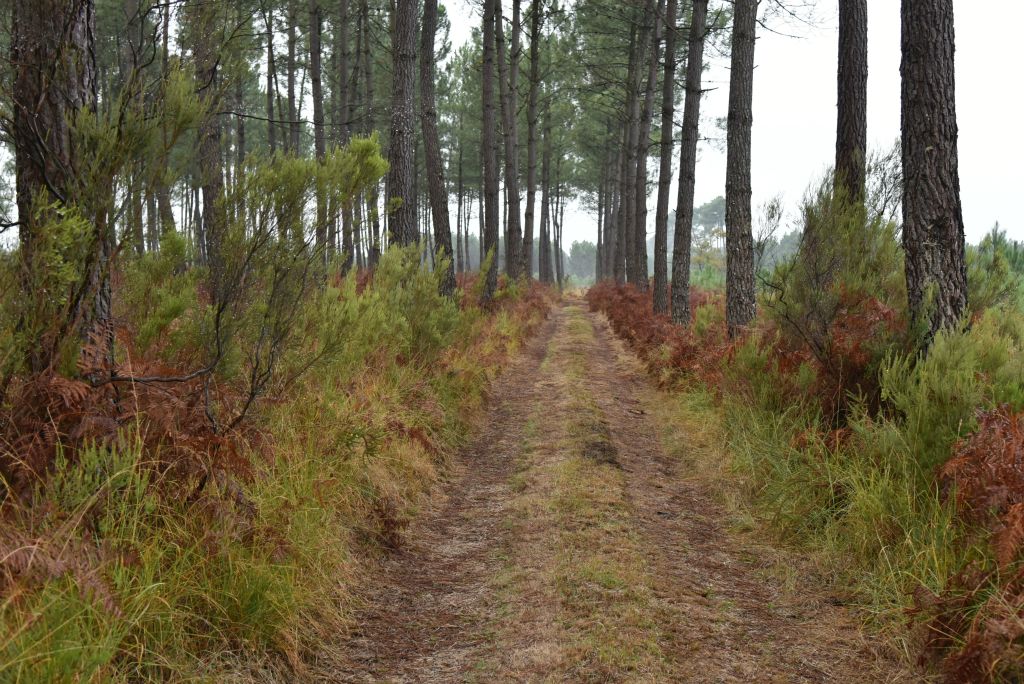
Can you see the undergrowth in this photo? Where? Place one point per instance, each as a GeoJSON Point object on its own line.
{"type": "Point", "coordinates": [900, 470]}
{"type": "Point", "coordinates": [139, 544]}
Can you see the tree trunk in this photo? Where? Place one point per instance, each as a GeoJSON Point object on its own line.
{"type": "Point", "coordinates": [508, 78]}
{"type": "Point", "coordinates": [480, 228]}
{"type": "Point", "coordinates": [852, 126]}
{"type": "Point", "coordinates": [319, 141]}
{"type": "Point", "coordinates": [401, 149]}
{"type": "Point", "coordinates": [294, 127]}
{"type": "Point", "coordinates": [631, 139]}
{"type": "Point", "coordinates": [557, 217]}
{"type": "Point", "coordinates": [152, 222]}
{"type": "Point", "coordinates": [668, 101]}
{"type": "Point", "coordinates": [460, 266]}
{"type": "Point", "coordinates": [370, 113]}
{"type": "Point", "coordinates": [268, 18]}
{"type": "Point", "coordinates": [54, 78]}
{"type": "Point", "coordinates": [688, 165]}
{"type": "Point", "coordinates": [490, 151]}
{"type": "Point", "coordinates": [342, 76]}
{"type": "Point", "coordinates": [740, 303]}
{"type": "Point", "coordinates": [933, 225]}
{"type": "Point", "coordinates": [432, 148]}
{"type": "Point", "coordinates": [544, 267]}
{"type": "Point", "coordinates": [211, 166]}
{"type": "Point", "coordinates": [600, 226]}
{"type": "Point", "coordinates": [536, 11]}
{"type": "Point", "coordinates": [612, 258]}
{"type": "Point", "coordinates": [640, 277]}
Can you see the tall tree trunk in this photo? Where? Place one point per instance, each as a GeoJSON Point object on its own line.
{"type": "Point", "coordinates": [740, 302]}
{"type": "Point", "coordinates": [643, 153]}
{"type": "Point", "coordinates": [370, 113]}
{"type": "Point", "coordinates": [489, 149]}
{"type": "Point", "coordinates": [432, 148]}
{"type": "Point", "coordinates": [268, 20]}
{"type": "Point", "coordinates": [319, 139]}
{"type": "Point", "coordinates": [342, 75]}
{"type": "Point", "coordinates": [163, 190]}
{"type": "Point", "coordinates": [401, 149]}
{"type": "Point", "coordinates": [600, 227]}
{"type": "Point", "coordinates": [631, 138]}
{"type": "Point", "coordinates": [688, 165]}
{"type": "Point", "coordinates": [206, 27]}
{"type": "Point", "coordinates": [544, 267]}
{"type": "Point", "coordinates": [480, 229]}
{"type": "Point", "coordinates": [460, 215]}
{"type": "Point", "coordinates": [134, 189]}
{"type": "Point", "coordinates": [557, 216]}
{"type": "Point", "coordinates": [509, 77]}
{"type": "Point", "coordinates": [152, 222]}
{"type": "Point", "coordinates": [852, 123]}
{"type": "Point", "coordinates": [294, 126]}
{"type": "Point", "coordinates": [240, 142]}
{"type": "Point", "coordinates": [536, 17]}
{"type": "Point", "coordinates": [933, 224]}
{"type": "Point", "coordinates": [52, 54]}
{"type": "Point", "coordinates": [668, 101]}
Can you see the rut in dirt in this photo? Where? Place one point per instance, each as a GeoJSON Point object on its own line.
{"type": "Point", "coordinates": [570, 547]}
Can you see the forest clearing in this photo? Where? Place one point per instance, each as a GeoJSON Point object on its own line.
{"type": "Point", "coordinates": [483, 341]}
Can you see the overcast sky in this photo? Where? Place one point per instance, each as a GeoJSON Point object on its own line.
{"type": "Point", "coordinates": [794, 109]}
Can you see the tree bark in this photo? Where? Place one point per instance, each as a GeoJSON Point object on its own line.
{"type": "Point", "coordinates": [460, 215]}
{"type": "Point", "coordinates": [294, 126]}
{"type": "Point", "coordinates": [319, 140]}
{"type": "Point", "coordinates": [851, 124]}
{"type": "Point", "coordinates": [268, 17]}
{"type": "Point", "coordinates": [933, 225]}
{"type": "Point", "coordinates": [668, 109]}
{"type": "Point", "coordinates": [544, 267]}
{"type": "Point", "coordinates": [211, 164]}
{"type": "Point", "coordinates": [740, 302]}
{"type": "Point", "coordinates": [401, 149]}
{"type": "Point", "coordinates": [625, 245]}
{"type": "Point", "coordinates": [600, 227]}
{"type": "Point", "coordinates": [688, 165]}
{"type": "Point", "coordinates": [640, 277]}
{"type": "Point", "coordinates": [54, 78]}
{"type": "Point", "coordinates": [536, 11]}
{"type": "Point", "coordinates": [432, 149]}
{"type": "Point", "coordinates": [490, 150]}
{"type": "Point", "coordinates": [342, 76]}
{"type": "Point", "coordinates": [508, 70]}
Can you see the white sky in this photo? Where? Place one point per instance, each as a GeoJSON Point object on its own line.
{"type": "Point", "coordinates": [794, 109]}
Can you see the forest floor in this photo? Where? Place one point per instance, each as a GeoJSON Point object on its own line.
{"type": "Point", "coordinates": [572, 544]}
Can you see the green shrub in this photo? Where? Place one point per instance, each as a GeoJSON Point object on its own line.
{"type": "Point", "coordinates": [939, 394]}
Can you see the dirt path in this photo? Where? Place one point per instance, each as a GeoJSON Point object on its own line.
{"type": "Point", "coordinates": [572, 547]}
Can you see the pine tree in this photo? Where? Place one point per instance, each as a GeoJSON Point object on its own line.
{"type": "Point", "coordinates": [688, 165]}
{"type": "Point", "coordinates": [933, 225]}
{"type": "Point", "coordinates": [739, 242]}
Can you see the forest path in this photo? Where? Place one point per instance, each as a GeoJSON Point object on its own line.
{"type": "Point", "coordinates": [570, 547]}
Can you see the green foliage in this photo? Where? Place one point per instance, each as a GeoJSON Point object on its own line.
{"type": "Point", "coordinates": [141, 572]}
{"type": "Point", "coordinates": [417, 322]}
{"type": "Point", "coordinates": [49, 277]}
{"type": "Point", "coordinates": [992, 279]}
{"type": "Point", "coordinates": [938, 395]}
{"type": "Point", "coordinates": [161, 290]}
{"type": "Point", "coordinates": [846, 252]}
